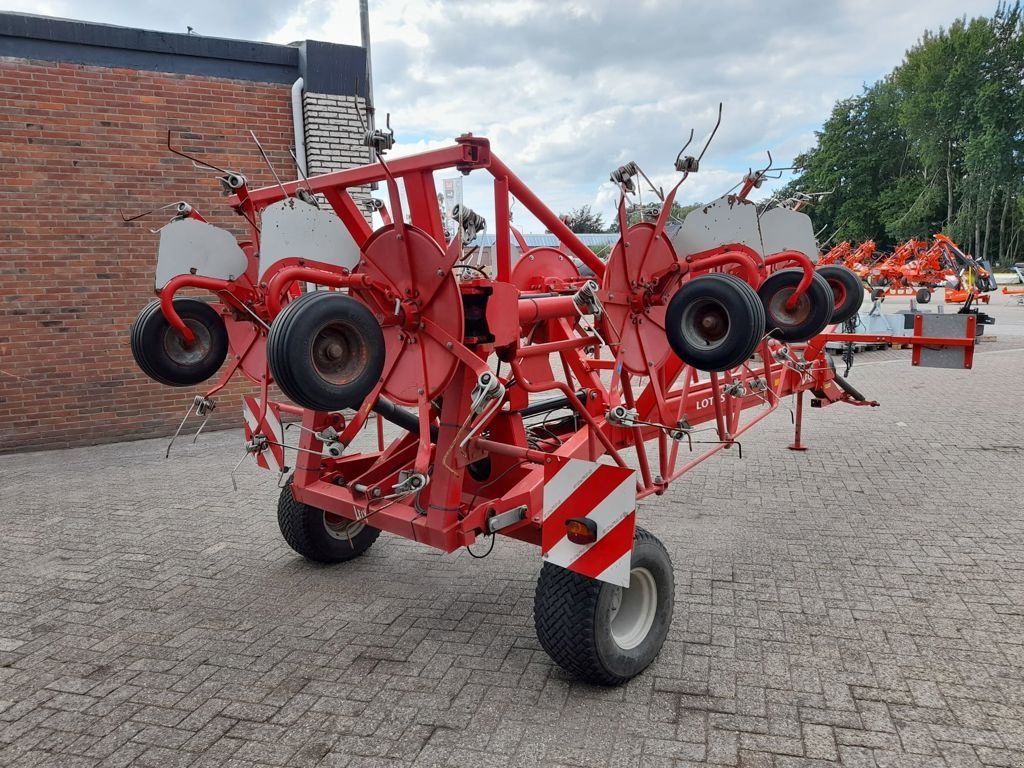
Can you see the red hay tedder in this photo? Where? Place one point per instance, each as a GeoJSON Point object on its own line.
{"type": "Point", "coordinates": [916, 268]}
{"type": "Point", "coordinates": [535, 403]}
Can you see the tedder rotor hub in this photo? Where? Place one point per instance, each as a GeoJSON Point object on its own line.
{"type": "Point", "coordinates": [409, 316]}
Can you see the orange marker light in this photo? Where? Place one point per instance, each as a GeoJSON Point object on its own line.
{"type": "Point", "coordinates": [581, 530]}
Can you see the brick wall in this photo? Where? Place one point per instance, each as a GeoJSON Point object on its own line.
{"type": "Point", "coordinates": [77, 143]}
{"type": "Point", "coordinates": [334, 137]}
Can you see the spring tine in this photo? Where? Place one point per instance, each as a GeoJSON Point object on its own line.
{"type": "Point", "coordinates": [233, 483]}
{"type": "Point", "coordinates": [302, 173]}
{"type": "Point", "coordinates": [146, 213]}
{"type": "Point", "coordinates": [712, 136]}
{"type": "Point", "coordinates": [195, 162]}
{"type": "Point", "coordinates": [199, 431]}
{"type": "Point", "coordinates": [174, 437]}
{"type": "Point", "coordinates": [269, 164]}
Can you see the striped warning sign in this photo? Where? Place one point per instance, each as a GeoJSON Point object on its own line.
{"type": "Point", "coordinates": [270, 427]}
{"type": "Point", "coordinates": [574, 488]}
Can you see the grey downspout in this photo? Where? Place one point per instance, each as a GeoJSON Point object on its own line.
{"type": "Point", "coordinates": [299, 127]}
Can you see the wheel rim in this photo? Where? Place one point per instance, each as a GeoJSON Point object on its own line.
{"type": "Point", "coordinates": [782, 315]}
{"type": "Point", "coordinates": [342, 528]}
{"type": "Point", "coordinates": [633, 609]}
{"type": "Point", "coordinates": [705, 324]}
{"type": "Point", "coordinates": [339, 353]}
{"type": "Point", "coordinates": [839, 291]}
{"type": "Point", "coordinates": [174, 344]}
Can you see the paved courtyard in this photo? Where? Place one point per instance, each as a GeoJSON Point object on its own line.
{"type": "Point", "coordinates": [862, 602]}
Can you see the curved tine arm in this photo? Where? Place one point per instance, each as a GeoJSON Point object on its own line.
{"type": "Point", "coordinates": [712, 136]}
{"type": "Point", "coordinates": [195, 161]}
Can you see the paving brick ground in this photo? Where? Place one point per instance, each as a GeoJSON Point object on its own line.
{"type": "Point", "coordinates": [861, 603]}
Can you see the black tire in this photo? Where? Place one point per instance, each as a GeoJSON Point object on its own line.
{"type": "Point", "coordinates": [159, 350]}
{"type": "Point", "coordinates": [747, 291]}
{"type": "Point", "coordinates": [573, 616]}
{"type": "Point", "coordinates": [924, 296]}
{"type": "Point", "coordinates": [812, 313]}
{"type": "Point", "coordinates": [847, 291]}
{"type": "Point", "coordinates": [714, 322]}
{"type": "Point", "coordinates": [320, 536]}
{"type": "Point", "coordinates": [326, 351]}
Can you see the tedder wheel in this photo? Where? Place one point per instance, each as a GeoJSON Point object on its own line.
{"type": "Point", "coordinates": [923, 296]}
{"type": "Point", "coordinates": [813, 310]}
{"type": "Point", "coordinates": [326, 351]}
{"type": "Point", "coordinates": [320, 536]}
{"type": "Point", "coordinates": [847, 290]}
{"type": "Point", "coordinates": [160, 351]}
{"type": "Point", "coordinates": [714, 322]}
{"type": "Point", "coordinates": [598, 631]}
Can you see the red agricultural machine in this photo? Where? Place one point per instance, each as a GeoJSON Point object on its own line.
{"type": "Point", "coordinates": [897, 272]}
{"type": "Point", "coordinates": [863, 258]}
{"type": "Point", "coordinates": [537, 404]}
{"type": "Point", "coordinates": [968, 280]}
{"type": "Point", "coordinates": [917, 269]}
{"type": "Point", "coordinates": [837, 254]}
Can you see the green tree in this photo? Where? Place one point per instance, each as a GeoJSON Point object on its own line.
{"type": "Point", "coordinates": [938, 144]}
{"type": "Point", "coordinates": [583, 220]}
{"type": "Point", "coordinates": [650, 211]}
{"type": "Point", "coordinates": [861, 151]}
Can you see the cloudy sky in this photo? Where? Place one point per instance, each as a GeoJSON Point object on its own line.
{"type": "Point", "coordinates": [567, 91]}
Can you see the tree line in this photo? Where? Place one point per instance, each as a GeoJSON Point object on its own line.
{"type": "Point", "coordinates": [935, 146]}
{"type": "Point", "coordinates": [585, 220]}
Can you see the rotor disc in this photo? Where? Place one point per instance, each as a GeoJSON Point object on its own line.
{"type": "Point", "coordinates": [420, 280]}
{"type": "Point", "coordinates": [628, 291]}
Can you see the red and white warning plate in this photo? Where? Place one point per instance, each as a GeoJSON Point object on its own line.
{"type": "Point", "coordinates": [602, 493]}
{"type": "Point", "coordinates": [269, 427]}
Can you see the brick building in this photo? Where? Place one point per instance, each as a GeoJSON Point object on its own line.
{"type": "Point", "coordinates": [84, 115]}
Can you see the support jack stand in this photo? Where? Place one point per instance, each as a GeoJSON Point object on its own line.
{"type": "Point", "coordinates": [798, 422]}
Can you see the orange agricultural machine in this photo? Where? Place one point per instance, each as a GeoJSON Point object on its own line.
{"type": "Point", "coordinates": [539, 404]}
{"type": "Point", "coordinates": [917, 269]}
{"type": "Point", "coordinates": [891, 272]}
{"type": "Point", "coordinates": [968, 279]}
{"type": "Point", "coordinates": [837, 254]}
{"type": "Point", "coordinates": [1018, 292]}
{"type": "Point", "coordinates": [863, 258]}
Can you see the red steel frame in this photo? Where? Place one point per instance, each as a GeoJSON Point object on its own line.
{"type": "Point", "coordinates": [671, 400]}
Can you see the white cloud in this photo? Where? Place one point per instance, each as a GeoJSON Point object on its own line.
{"type": "Point", "coordinates": [566, 91]}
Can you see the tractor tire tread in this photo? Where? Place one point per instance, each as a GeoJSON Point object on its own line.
{"type": "Point", "coordinates": [298, 523]}
{"type": "Point", "coordinates": [565, 617]}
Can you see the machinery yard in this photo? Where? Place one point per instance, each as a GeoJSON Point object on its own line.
{"type": "Point", "coordinates": [860, 601]}
{"type": "Point", "coordinates": [691, 436]}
